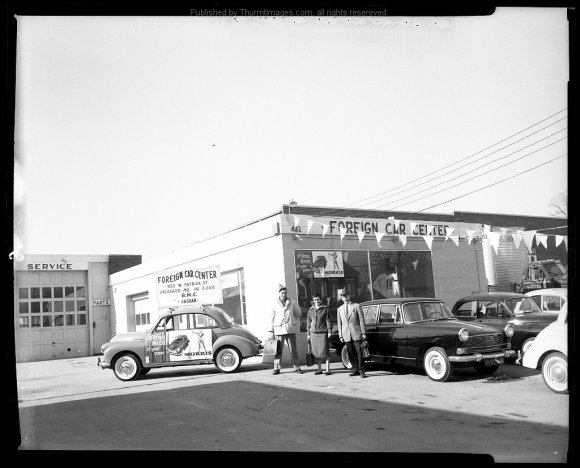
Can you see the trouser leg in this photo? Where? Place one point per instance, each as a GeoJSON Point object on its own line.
{"type": "Point", "coordinates": [352, 355]}
{"type": "Point", "coordinates": [291, 340]}
{"type": "Point", "coordinates": [279, 349]}
{"type": "Point", "coordinates": [361, 361]}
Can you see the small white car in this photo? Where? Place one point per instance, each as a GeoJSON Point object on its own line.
{"type": "Point", "coordinates": [549, 352]}
{"type": "Point", "coordinates": [549, 300]}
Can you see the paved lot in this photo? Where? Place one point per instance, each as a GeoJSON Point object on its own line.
{"type": "Point", "coordinates": [511, 415]}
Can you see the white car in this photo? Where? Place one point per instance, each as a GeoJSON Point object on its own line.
{"type": "Point", "coordinates": [549, 300]}
{"type": "Point", "coordinates": [549, 352]}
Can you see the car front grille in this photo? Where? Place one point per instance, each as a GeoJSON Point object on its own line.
{"type": "Point", "coordinates": [484, 340]}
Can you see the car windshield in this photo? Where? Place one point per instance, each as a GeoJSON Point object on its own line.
{"type": "Point", "coordinates": [424, 311]}
{"type": "Point", "coordinates": [522, 305]}
{"type": "Point", "coordinates": [554, 268]}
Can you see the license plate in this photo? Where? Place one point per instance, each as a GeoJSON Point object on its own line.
{"type": "Point", "coordinates": [493, 362]}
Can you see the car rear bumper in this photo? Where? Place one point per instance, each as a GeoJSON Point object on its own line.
{"type": "Point", "coordinates": [102, 363]}
{"type": "Point", "coordinates": [478, 357]}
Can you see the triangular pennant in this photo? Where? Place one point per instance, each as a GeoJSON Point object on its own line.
{"type": "Point", "coordinates": [494, 240]}
{"type": "Point", "coordinates": [397, 222]}
{"type": "Point", "coordinates": [559, 240]}
{"type": "Point", "coordinates": [517, 238]}
{"type": "Point", "coordinates": [296, 221]}
{"type": "Point", "coordinates": [528, 237]}
{"type": "Point", "coordinates": [342, 232]}
{"type": "Point", "coordinates": [413, 225]}
{"type": "Point", "coordinates": [360, 235]}
{"type": "Point", "coordinates": [449, 231]}
{"type": "Point", "coordinates": [486, 228]}
{"type": "Point", "coordinates": [309, 224]}
{"type": "Point", "coordinates": [542, 239]}
{"type": "Point", "coordinates": [469, 239]}
{"type": "Point", "coordinates": [415, 263]}
{"type": "Point", "coordinates": [379, 236]}
{"type": "Point", "coordinates": [566, 242]}
{"type": "Point", "coordinates": [429, 240]}
{"type": "Point", "coordinates": [324, 229]}
{"type": "Point", "coordinates": [403, 239]}
{"type": "Point", "coordinates": [455, 240]}
{"type": "Point", "coordinates": [470, 232]}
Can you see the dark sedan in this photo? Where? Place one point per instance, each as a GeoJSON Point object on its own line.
{"type": "Point", "coordinates": [423, 331]}
{"type": "Point", "coordinates": [497, 309]}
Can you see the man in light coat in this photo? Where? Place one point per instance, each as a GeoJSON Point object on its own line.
{"type": "Point", "coordinates": [351, 331]}
{"type": "Point", "coordinates": [285, 323]}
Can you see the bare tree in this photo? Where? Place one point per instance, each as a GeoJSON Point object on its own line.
{"type": "Point", "coordinates": [559, 204]}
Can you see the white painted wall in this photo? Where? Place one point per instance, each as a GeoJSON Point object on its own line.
{"type": "Point", "coordinates": [256, 248]}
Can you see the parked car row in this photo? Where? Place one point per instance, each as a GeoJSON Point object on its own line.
{"type": "Point", "coordinates": [480, 331]}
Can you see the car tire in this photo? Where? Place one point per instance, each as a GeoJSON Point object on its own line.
{"type": "Point", "coordinates": [228, 359]}
{"type": "Point", "coordinates": [127, 367]}
{"type": "Point", "coordinates": [345, 358]}
{"type": "Point", "coordinates": [480, 368]}
{"type": "Point", "coordinates": [437, 365]}
{"type": "Point", "coordinates": [526, 344]}
{"type": "Point", "coordinates": [555, 372]}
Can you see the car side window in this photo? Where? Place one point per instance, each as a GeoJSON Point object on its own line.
{"type": "Point", "coordinates": [180, 322]}
{"type": "Point", "coordinates": [503, 311]}
{"type": "Point", "coordinates": [204, 321]}
{"type": "Point", "coordinates": [551, 303]}
{"type": "Point", "coordinates": [487, 309]}
{"type": "Point", "coordinates": [537, 300]}
{"type": "Point", "coordinates": [369, 314]}
{"type": "Point", "coordinates": [467, 309]}
{"type": "Point", "coordinates": [161, 325]}
{"type": "Point", "coordinates": [387, 313]}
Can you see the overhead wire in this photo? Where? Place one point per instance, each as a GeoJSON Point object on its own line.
{"type": "Point", "coordinates": [472, 178]}
{"type": "Point", "coordinates": [491, 185]}
{"type": "Point", "coordinates": [346, 209]}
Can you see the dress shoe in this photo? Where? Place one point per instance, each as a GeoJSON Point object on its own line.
{"type": "Point", "coordinates": [276, 371]}
{"type": "Point", "coordinates": [328, 373]}
{"type": "Point", "coordinates": [299, 371]}
{"type": "Point", "coordinates": [318, 372]}
{"type": "Point", "coordinates": [363, 375]}
{"type": "Point", "coordinates": [352, 374]}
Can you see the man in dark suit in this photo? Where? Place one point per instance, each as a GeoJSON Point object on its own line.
{"type": "Point", "coordinates": [351, 331]}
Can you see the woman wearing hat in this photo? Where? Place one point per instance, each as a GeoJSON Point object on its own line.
{"type": "Point", "coordinates": [319, 328]}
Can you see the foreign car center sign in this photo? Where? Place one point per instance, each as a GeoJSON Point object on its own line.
{"type": "Point", "coordinates": [189, 286]}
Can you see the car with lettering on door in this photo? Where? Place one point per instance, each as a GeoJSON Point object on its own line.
{"type": "Point", "coordinates": [185, 335]}
{"type": "Point", "coordinates": [498, 309]}
{"type": "Point", "coordinates": [423, 331]}
{"type": "Point", "coordinates": [543, 274]}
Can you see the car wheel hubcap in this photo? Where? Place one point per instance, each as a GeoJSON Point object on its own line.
{"type": "Point", "coordinates": [557, 372]}
{"type": "Point", "coordinates": [125, 368]}
{"type": "Point", "coordinates": [436, 365]}
{"type": "Point", "coordinates": [228, 360]}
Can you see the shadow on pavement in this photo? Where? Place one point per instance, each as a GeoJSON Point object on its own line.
{"type": "Point", "coordinates": [247, 416]}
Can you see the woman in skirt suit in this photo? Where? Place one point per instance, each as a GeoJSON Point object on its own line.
{"type": "Point", "coordinates": [319, 328]}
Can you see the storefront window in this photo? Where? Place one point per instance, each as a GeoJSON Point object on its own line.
{"type": "Point", "coordinates": [365, 275]}
{"type": "Point", "coordinates": [46, 293]}
{"type": "Point", "coordinates": [234, 301]}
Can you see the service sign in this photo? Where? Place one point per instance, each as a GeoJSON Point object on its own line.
{"type": "Point", "coordinates": [189, 286]}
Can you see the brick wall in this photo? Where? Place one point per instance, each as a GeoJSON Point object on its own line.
{"type": "Point", "coordinates": [122, 262]}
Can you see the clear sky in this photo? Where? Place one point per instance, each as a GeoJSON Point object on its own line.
{"type": "Point", "coordinates": [141, 135]}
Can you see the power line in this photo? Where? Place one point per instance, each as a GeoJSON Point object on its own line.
{"type": "Point", "coordinates": [465, 165]}
{"type": "Point", "coordinates": [470, 156]}
{"type": "Point", "coordinates": [491, 185]}
{"type": "Point", "coordinates": [474, 177]}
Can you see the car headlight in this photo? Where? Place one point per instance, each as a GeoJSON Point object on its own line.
{"type": "Point", "coordinates": [463, 334]}
{"type": "Point", "coordinates": [509, 330]}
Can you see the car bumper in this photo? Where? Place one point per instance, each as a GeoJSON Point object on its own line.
{"type": "Point", "coordinates": [478, 357]}
{"type": "Point", "coordinates": [102, 363]}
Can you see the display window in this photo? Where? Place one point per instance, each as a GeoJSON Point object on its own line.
{"type": "Point", "coordinates": [366, 275]}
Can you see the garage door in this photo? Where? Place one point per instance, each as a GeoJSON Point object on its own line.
{"type": "Point", "coordinates": [52, 316]}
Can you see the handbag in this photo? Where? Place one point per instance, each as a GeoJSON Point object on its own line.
{"type": "Point", "coordinates": [364, 348]}
{"type": "Point", "coordinates": [270, 350]}
{"type": "Point", "coordinates": [309, 357]}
